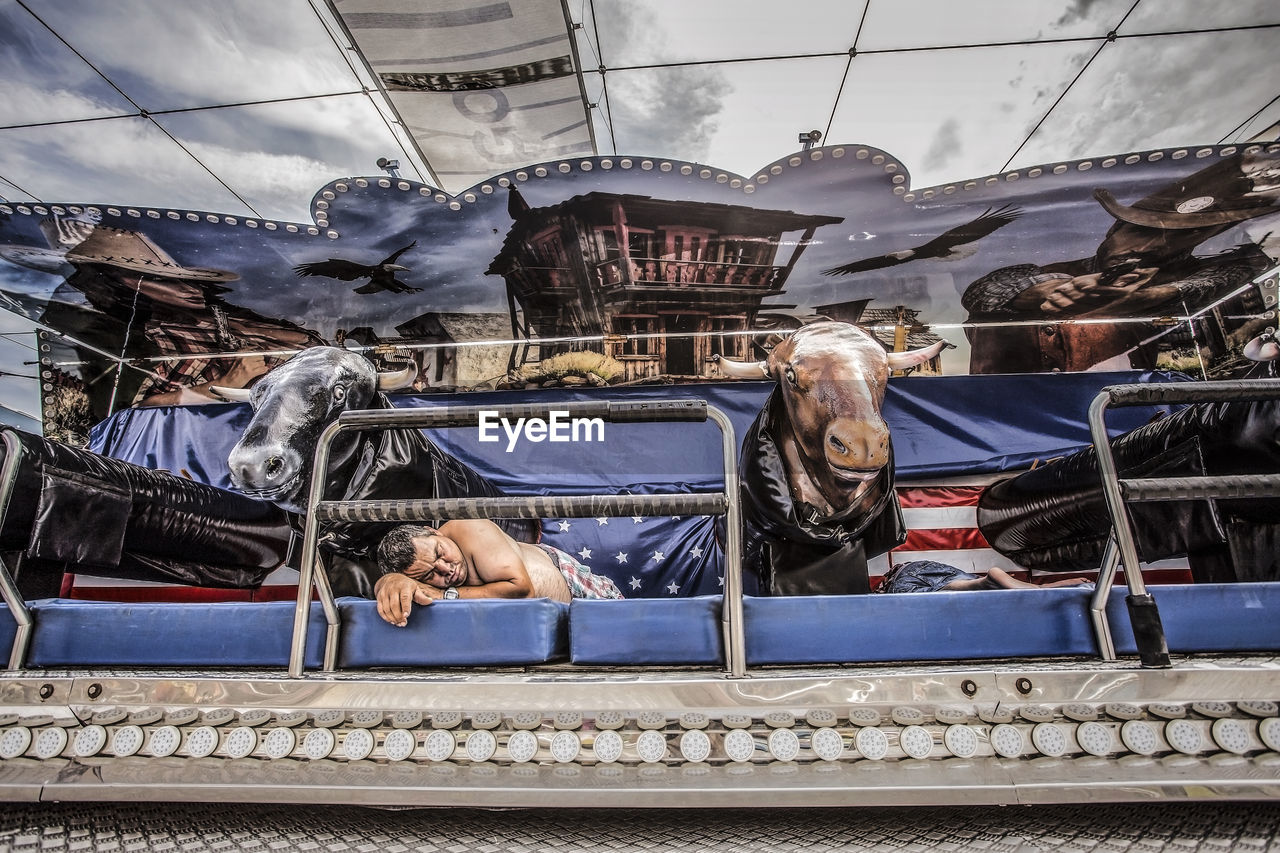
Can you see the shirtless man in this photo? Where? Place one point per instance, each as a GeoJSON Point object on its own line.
{"type": "Point", "coordinates": [474, 558]}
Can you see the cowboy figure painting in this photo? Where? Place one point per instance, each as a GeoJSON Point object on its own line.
{"type": "Point", "coordinates": [1145, 266]}
{"type": "Point", "coordinates": [169, 324]}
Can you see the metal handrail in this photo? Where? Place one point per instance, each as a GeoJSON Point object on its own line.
{"type": "Point", "coordinates": [1144, 616]}
{"type": "Point", "coordinates": [312, 574]}
{"type": "Point", "coordinates": [9, 589]}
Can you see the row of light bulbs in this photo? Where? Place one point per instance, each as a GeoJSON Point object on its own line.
{"type": "Point", "coordinates": [1206, 726]}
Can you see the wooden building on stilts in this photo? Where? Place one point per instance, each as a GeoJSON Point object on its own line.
{"type": "Point", "coordinates": [664, 284]}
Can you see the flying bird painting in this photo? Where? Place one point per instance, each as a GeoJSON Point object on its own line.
{"type": "Point", "coordinates": [382, 275]}
{"type": "Point", "coordinates": [946, 246]}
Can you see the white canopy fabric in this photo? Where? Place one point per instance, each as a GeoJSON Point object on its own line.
{"type": "Point", "coordinates": [247, 108]}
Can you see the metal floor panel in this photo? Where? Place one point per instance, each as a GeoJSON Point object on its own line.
{"type": "Point", "coordinates": [187, 828]}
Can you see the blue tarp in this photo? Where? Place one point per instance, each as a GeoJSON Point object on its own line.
{"type": "Point", "coordinates": [942, 427]}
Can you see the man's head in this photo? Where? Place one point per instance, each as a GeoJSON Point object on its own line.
{"type": "Point", "coordinates": [420, 552]}
{"type": "Point", "coordinates": [1138, 246]}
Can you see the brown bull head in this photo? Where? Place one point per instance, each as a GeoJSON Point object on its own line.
{"type": "Point", "coordinates": [832, 378]}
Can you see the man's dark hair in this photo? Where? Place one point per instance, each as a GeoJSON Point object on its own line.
{"type": "Point", "coordinates": [396, 552]}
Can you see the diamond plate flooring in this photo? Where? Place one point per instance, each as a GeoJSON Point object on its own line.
{"type": "Point", "coordinates": [193, 828]}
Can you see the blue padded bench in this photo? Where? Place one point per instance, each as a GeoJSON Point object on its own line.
{"type": "Point", "coordinates": [647, 631]}
{"type": "Point", "coordinates": [95, 633]}
{"type": "Point", "coordinates": [1009, 623]}
{"type": "Point", "coordinates": [493, 632]}
{"type": "Point", "coordinates": [1208, 617]}
{"type": "Point", "coordinates": [918, 626]}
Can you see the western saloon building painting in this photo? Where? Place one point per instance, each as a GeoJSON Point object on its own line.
{"type": "Point", "coordinates": [666, 283]}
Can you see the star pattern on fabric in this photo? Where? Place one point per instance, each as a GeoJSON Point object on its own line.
{"type": "Point", "coordinates": [564, 526]}
{"type": "Point", "coordinates": [585, 553]}
{"type": "Point", "coordinates": [602, 521]}
{"type": "Point", "coordinates": [673, 588]}
{"type": "Point", "coordinates": [636, 519]}
{"type": "Point", "coordinates": [658, 556]}
{"type": "Point", "coordinates": [621, 557]}
{"type": "Point", "coordinates": [696, 552]}
{"type": "Point", "coordinates": [635, 582]}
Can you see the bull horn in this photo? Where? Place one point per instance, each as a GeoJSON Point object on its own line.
{"type": "Point", "coordinates": [233, 395]}
{"type": "Point", "coordinates": [741, 369]}
{"type": "Point", "coordinates": [910, 358]}
{"type": "Point", "coordinates": [397, 379]}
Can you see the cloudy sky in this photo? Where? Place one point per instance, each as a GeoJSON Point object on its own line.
{"type": "Point", "coordinates": [247, 109]}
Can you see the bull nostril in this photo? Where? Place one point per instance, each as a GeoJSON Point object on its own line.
{"type": "Point", "coordinates": [837, 445]}
{"type": "Point", "coordinates": [274, 466]}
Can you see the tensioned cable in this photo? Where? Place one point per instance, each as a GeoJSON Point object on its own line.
{"type": "Point", "coordinates": [141, 112]}
{"type": "Point", "coordinates": [601, 68]}
{"type": "Point", "coordinates": [853, 52]}
{"type": "Point", "coordinates": [882, 51]}
{"type": "Point", "coordinates": [335, 20]}
{"type": "Point", "coordinates": [1242, 125]}
{"type": "Point", "coordinates": [180, 110]}
{"type": "Point", "coordinates": [1110, 37]}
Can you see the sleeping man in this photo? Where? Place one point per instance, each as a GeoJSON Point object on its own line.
{"type": "Point", "coordinates": [474, 558]}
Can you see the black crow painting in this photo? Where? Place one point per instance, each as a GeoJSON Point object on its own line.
{"type": "Point", "coordinates": [382, 275]}
{"type": "Point", "coordinates": [946, 246]}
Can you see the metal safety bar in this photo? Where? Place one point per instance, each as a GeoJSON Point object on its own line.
{"type": "Point", "coordinates": [9, 589]}
{"type": "Point", "coordinates": [311, 573]}
{"type": "Point", "coordinates": [1148, 633]}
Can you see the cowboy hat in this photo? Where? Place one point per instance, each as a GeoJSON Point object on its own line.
{"type": "Point", "coordinates": [134, 251]}
{"type": "Point", "coordinates": [1225, 193]}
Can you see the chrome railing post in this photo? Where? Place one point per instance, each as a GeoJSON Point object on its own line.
{"type": "Point", "coordinates": [9, 589]}
{"type": "Point", "coordinates": [735, 646]}
{"type": "Point", "coordinates": [1144, 617]}
{"type": "Point", "coordinates": [308, 568]}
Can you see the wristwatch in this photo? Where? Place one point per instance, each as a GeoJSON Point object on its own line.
{"type": "Point", "coordinates": [450, 593]}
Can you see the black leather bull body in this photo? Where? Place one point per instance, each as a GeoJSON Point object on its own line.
{"type": "Point", "coordinates": [71, 510]}
{"type": "Point", "coordinates": [273, 458]}
{"type": "Point", "coordinates": [817, 463]}
{"type": "Point", "coordinates": [1055, 518]}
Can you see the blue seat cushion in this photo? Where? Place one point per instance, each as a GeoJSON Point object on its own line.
{"type": "Point", "coordinates": [473, 632]}
{"type": "Point", "coordinates": [678, 631]}
{"type": "Point", "coordinates": [917, 626]}
{"type": "Point", "coordinates": [1207, 617]}
{"type": "Point", "coordinates": [98, 633]}
{"type": "Point", "coordinates": [1001, 623]}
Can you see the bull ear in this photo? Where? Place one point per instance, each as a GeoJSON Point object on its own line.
{"type": "Point", "coordinates": [910, 358]}
{"type": "Point", "coordinates": [234, 395]}
{"type": "Point", "coordinates": [396, 379]}
{"type": "Point", "coordinates": [741, 369]}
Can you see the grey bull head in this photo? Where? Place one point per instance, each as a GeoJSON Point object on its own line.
{"type": "Point", "coordinates": [291, 407]}
{"type": "Point", "coordinates": [832, 378]}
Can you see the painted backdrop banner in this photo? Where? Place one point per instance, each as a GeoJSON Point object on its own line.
{"type": "Point", "coordinates": [613, 270]}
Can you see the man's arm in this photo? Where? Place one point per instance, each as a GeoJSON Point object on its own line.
{"type": "Point", "coordinates": [498, 564]}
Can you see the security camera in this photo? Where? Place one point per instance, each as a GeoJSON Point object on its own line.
{"type": "Point", "coordinates": [384, 163]}
{"type": "Point", "coordinates": [810, 137]}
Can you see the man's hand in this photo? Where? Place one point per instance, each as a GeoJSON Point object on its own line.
{"type": "Point", "coordinates": [1088, 295]}
{"type": "Point", "coordinates": [396, 595]}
